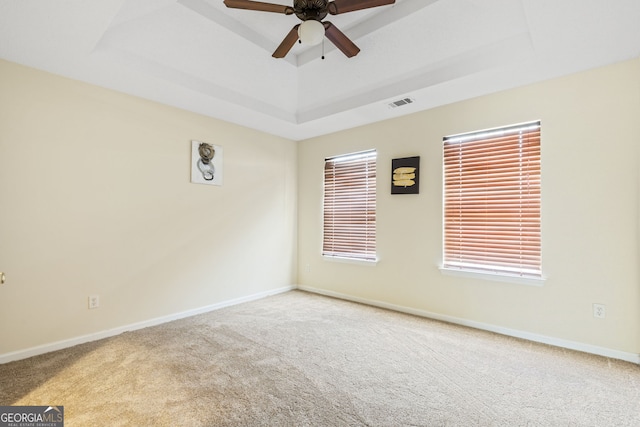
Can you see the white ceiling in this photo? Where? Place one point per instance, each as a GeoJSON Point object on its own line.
{"type": "Point", "coordinates": [204, 57]}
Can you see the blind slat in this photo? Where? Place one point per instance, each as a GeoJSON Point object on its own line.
{"type": "Point", "coordinates": [350, 206]}
{"type": "Point", "coordinates": [492, 190]}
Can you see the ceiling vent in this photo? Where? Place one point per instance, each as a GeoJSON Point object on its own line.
{"type": "Point", "coordinates": [401, 102]}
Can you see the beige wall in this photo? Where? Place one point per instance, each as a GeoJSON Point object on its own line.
{"type": "Point", "coordinates": [590, 216]}
{"type": "Point", "coordinates": [95, 198]}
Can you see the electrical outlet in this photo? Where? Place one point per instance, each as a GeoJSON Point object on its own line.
{"type": "Point", "coordinates": [94, 301]}
{"type": "Point", "coordinates": [599, 311]}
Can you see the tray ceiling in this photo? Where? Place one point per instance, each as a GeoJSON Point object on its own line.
{"type": "Point", "coordinates": [201, 56]}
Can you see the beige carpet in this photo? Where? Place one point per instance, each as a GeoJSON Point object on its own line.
{"type": "Point", "coordinates": [299, 359]}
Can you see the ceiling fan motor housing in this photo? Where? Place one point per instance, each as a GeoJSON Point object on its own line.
{"type": "Point", "coordinates": [311, 9]}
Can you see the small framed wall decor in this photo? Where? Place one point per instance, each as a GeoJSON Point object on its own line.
{"type": "Point", "coordinates": [405, 175]}
{"type": "Point", "coordinates": [206, 163]}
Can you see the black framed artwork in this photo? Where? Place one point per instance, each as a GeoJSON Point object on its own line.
{"type": "Point", "coordinates": [405, 175]}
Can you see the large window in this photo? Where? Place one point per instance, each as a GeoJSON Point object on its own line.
{"type": "Point", "coordinates": [350, 206]}
{"type": "Point", "coordinates": [492, 201]}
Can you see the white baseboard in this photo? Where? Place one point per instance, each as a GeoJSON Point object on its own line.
{"type": "Point", "coordinates": [59, 345]}
{"type": "Point", "coordinates": [557, 342]}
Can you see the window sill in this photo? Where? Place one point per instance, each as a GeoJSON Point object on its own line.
{"type": "Point", "coordinates": [494, 277]}
{"type": "Point", "coordinates": [370, 263]}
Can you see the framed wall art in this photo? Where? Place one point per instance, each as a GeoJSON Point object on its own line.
{"type": "Point", "coordinates": [206, 163]}
{"type": "Point", "coordinates": [405, 175]}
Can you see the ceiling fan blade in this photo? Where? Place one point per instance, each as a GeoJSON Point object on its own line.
{"type": "Point", "coordinates": [287, 43]}
{"type": "Point", "coordinates": [343, 6]}
{"type": "Point", "coordinates": [341, 41]}
{"type": "Point", "coordinates": [258, 5]}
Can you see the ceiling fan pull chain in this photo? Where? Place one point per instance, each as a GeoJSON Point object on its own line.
{"type": "Point", "coordinates": [323, 48]}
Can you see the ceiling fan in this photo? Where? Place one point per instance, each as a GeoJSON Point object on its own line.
{"type": "Point", "coordinates": [311, 13]}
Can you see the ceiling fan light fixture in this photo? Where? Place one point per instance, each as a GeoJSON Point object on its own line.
{"type": "Point", "coordinates": [311, 32]}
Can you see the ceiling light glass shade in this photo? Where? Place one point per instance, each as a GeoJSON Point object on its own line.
{"type": "Point", "coordinates": [311, 32]}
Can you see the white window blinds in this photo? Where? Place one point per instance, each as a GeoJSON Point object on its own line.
{"type": "Point", "coordinates": [492, 201]}
{"type": "Point", "coordinates": [350, 206]}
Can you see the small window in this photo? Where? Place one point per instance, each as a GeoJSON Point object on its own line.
{"type": "Point", "coordinates": [492, 201]}
{"type": "Point", "coordinates": [350, 206]}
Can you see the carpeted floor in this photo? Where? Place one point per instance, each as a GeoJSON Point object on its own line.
{"type": "Point", "coordinates": [299, 359]}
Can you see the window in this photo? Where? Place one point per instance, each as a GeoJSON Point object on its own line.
{"type": "Point", "coordinates": [492, 201]}
{"type": "Point", "coordinates": [350, 206]}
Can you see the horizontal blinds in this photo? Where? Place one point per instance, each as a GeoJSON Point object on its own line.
{"type": "Point", "coordinates": [492, 201]}
{"type": "Point", "coordinates": [350, 206]}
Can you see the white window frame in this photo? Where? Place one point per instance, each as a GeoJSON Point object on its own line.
{"type": "Point", "coordinates": [482, 170]}
{"type": "Point", "coordinates": [349, 207]}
